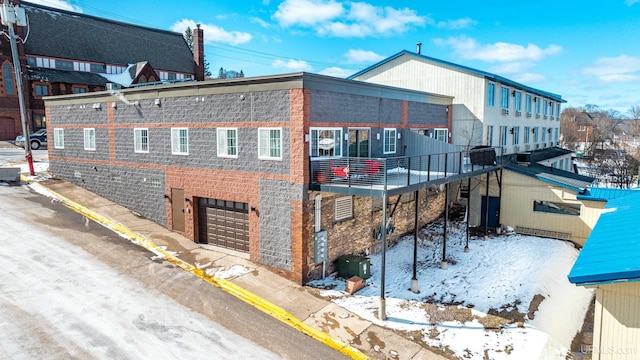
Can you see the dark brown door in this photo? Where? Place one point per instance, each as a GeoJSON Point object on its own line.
{"type": "Point", "coordinates": [7, 128]}
{"type": "Point", "coordinates": [224, 223]}
{"type": "Point", "coordinates": [177, 209]}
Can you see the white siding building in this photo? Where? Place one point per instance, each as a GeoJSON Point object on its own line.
{"type": "Point", "coordinates": [487, 109]}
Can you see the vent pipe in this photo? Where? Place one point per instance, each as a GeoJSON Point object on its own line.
{"type": "Point", "coordinates": [419, 45]}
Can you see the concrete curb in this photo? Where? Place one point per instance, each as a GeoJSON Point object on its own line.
{"type": "Point", "coordinates": [229, 287]}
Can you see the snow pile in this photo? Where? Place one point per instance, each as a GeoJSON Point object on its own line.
{"type": "Point", "coordinates": [508, 298]}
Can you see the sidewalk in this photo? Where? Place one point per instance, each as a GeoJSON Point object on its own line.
{"type": "Point", "coordinates": [295, 305]}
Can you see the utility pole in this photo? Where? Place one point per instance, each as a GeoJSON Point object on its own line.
{"type": "Point", "coordinates": [15, 15]}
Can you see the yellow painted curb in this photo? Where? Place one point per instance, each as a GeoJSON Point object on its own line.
{"type": "Point", "coordinates": [231, 288]}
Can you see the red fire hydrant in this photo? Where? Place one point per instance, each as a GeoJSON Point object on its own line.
{"type": "Point", "coordinates": [30, 162]}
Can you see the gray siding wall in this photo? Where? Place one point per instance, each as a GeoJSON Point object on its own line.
{"type": "Point", "coordinates": [428, 114]}
{"type": "Point", "coordinates": [349, 108]}
{"type": "Point", "coordinates": [138, 189]}
{"type": "Point", "coordinates": [275, 223]}
{"type": "Point", "coordinates": [78, 114]}
{"type": "Point", "coordinates": [261, 106]}
{"type": "Point", "coordinates": [74, 144]}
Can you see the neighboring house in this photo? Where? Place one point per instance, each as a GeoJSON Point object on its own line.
{"type": "Point", "coordinates": [609, 263]}
{"type": "Point", "coordinates": [487, 109]}
{"type": "Point", "coordinates": [72, 53]}
{"type": "Point", "coordinates": [263, 165]}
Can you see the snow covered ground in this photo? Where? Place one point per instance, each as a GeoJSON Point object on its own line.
{"type": "Point", "coordinates": [507, 298]}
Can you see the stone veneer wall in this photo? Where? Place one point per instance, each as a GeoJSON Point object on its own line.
{"type": "Point", "coordinates": [355, 236]}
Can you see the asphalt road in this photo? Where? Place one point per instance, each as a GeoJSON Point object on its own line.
{"type": "Point", "coordinates": [70, 288]}
{"type": "Point", "coordinates": [11, 154]}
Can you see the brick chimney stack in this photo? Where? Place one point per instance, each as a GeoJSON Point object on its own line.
{"type": "Point", "coordinates": [198, 52]}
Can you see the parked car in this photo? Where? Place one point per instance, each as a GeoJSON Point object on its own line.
{"type": "Point", "coordinates": [37, 139]}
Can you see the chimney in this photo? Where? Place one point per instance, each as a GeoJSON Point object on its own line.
{"type": "Point", "coordinates": [419, 45]}
{"type": "Point", "coordinates": [198, 52]}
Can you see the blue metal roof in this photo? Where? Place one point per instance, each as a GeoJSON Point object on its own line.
{"type": "Point", "coordinates": [485, 74]}
{"type": "Point", "coordinates": [604, 194]}
{"type": "Point", "coordinates": [565, 179]}
{"type": "Point", "coordinates": [612, 251]}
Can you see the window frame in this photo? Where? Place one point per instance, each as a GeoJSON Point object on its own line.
{"type": "Point", "coordinates": [503, 136]}
{"type": "Point", "coordinates": [40, 86]}
{"type": "Point", "coordinates": [518, 101]}
{"type": "Point", "coordinates": [527, 135]}
{"type": "Point", "coordinates": [516, 135]}
{"type": "Point", "coordinates": [491, 94]}
{"type": "Point", "coordinates": [540, 205]}
{"type": "Point", "coordinates": [58, 138]}
{"type": "Point", "coordinates": [437, 131]}
{"type": "Point", "coordinates": [89, 136]}
{"type": "Point", "coordinates": [315, 133]}
{"type": "Point", "coordinates": [222, 142]}
{"type": "Point", "coordinates": [176, 141]}
{"type": "Point", "coordinates": [504, 97]}
{"type": "Point", "coordinates": [489, 137]}
{"type": "Point", "coordinates": [8, 67]}
{"type": "Point", "coordinates": [389, 147]}
{"type": "Point", "coordinates": [138, 143]}
{"type": "Point", "coordinates": [527, 103]}
{"type": "Point", "coordinates": [269, 148]}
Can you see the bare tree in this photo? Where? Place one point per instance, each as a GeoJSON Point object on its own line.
{"type": "Point", "coordinates": [634, 115]}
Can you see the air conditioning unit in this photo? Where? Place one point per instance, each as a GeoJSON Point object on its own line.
{"type": "Point", "coordinates": [537, 116]}
{"type": "Point", "coordinates": [528, 114]}
{"type": "Point", "coordinates": [527, 147]}
{"type": "Point", "coordinates": [545, 117]}
{"type": "Point", "coordinates": [505, 112]}
{"type": "Point", "coordinates": [516, 148]}
{"type": "Point", "coordinates": [518, 113]}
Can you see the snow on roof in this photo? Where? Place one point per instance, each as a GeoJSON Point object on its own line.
{"type": "Point", "coordinates": [124, 78]}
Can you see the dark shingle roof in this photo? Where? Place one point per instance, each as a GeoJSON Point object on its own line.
{"type": "Point", "coordinates": [462, 68]}
{"type": "Point", "coordinates": [68, 35]}
{"type": "Point", "coordinates": [558, 177]}
{"type": "Point", "coordinates": [63, 76]}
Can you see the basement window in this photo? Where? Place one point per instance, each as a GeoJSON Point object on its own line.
{"type": "Point", "coordinates": [556, 208]}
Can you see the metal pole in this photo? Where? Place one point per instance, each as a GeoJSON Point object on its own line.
{"type": "Point", "coordinates": [443, 265]}
{"type": "Point", "coordinates": [18, 71]}
{"type": "Point", "coordinates": [414, 279]}
{"type": "Point", "coordinates": [382, 312]}
{"type": "Point", "coordinates": [466, 248]}
{"type": "Point", "coordinates": [486, 208]}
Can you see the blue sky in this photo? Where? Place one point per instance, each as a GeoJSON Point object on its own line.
{"type": "Point", "coordinates": [585, 51]}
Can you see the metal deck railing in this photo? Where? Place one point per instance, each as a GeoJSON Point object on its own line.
{"type": "Point", "coordinates": [396, 175]}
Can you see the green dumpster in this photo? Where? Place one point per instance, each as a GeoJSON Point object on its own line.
{"type": "Point", "coordinates": [353, 265]}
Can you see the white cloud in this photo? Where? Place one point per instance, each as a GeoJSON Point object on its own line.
{"type": "Point", "coordinates": [58, 4]}
{"type": "Point", "coordinates": [623, 68]}
{"type": "Point", "coordinates": [213, 33]}
{"type": "Point", "coordinates": [457, 24]}
{"type": "Point", "coordinates": [292, 65]}
{"type": "Point", "coordinates": [512, 67]}
{"type": "Point", "coordinates": [631, 2]}
{"type": "Point", "coordinates": [346, 19]}
{"type": "Point", "coordinates": [307, 12]}
{"type": "Point", "coordinates": [468, 48]}
{"type": "Point", "coordinates": [528, 78]}
{"type": "Point", "coordinates": [337, 72]}
{"type": "Point", "coordinates": [260, 22]}
{"type": "Point", "coordinates": [359, 56]}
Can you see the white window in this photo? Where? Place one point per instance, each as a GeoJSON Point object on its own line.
{"type": "Point", "coordinates": [441, 134]}
{"type": "Point", "coordinates": [544, 134]}
{"type": "Point", "coordinates": [516, 135]}
{"type": "Point", "coordinates": [545, 107]}
{"type": "Point", "coordinates": [227, 142]}
{"type": "Point", "coordinates": [558, 110]}
{"type": "Point", "coordinates": [504, 98]}
{"type": "Point", "coordinates": [326, 142]}
{"type": "Point", "coordinates": [527, 103]}
{"type": "Point", "coordinates": [58, 138]}
{"type": "Point", "coordinates": [179, 141]}
{"type": "Point", "coordinates": [343, 208]}
{"type": "Point", "coordinates": [557, 134]}
{"type": "Point", "coordinates": [389, 141]}
{"type": "Point", "coordinates": [491, 94]}
{"type": "Point", "coordinates": [527, 131]}
{"type": "Point", "coordinates": [518, 101]}
{"type": "Point", "coordinates": [537, 101]}
{"type": "Point", "coordinates": [503, 136]}
{"type": "Point", "coordinates": [90, 139]}
{"type": "Point", "coordinates": [536, 130]}
{"type": "Point", "coordinates": [141, 140]}
{"type": "Point", "coordinates": [490, 135]}
{"type": "Point", "coordinates": [551, 108]}
{"type": "Point", "coordinates": [270, 143]}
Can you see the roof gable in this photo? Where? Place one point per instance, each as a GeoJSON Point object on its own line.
{"type": "Point", "coordinates": [457, 67]}
{"type": "Point", "coordinates": [611, 252]}
{"type": "Point", "coordinates": [103, 41]}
